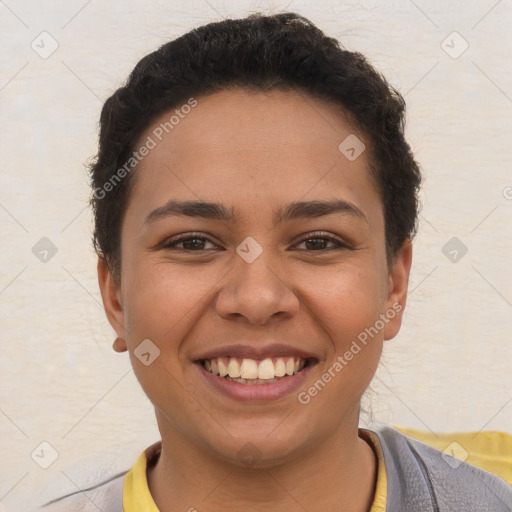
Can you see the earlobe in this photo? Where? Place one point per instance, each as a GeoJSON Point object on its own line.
{"type": "Point", "coordinates": [111, 296]}
{"type": "Point", "coordinates": [119, 345]}
{"type": "Point", "coordinates": [397, 289]}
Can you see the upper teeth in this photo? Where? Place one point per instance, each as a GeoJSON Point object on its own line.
{"type": "Point", "coordinates": [254, 369]}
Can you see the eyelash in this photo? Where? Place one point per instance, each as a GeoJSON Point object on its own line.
{"type": "Point", "coordinates": [172, 243]}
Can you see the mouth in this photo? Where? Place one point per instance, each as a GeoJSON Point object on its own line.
{"type": "Point", "coordinates": [255, 371]}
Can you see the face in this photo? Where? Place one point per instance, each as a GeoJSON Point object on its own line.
{"type": "Point", "coordinates": [282, 272]}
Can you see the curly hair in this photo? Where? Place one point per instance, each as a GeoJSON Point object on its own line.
{"type": "Point", "coordinates": [284, 51]}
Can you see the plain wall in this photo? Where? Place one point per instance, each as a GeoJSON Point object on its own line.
{"type": "Point", "coordinates": [449, 369]}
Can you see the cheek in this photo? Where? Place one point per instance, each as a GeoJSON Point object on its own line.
{"type": "Point", "coordinates": [162, 305]}
{"type": "Point", "coordinates": [345, 302]}
{"type": "Point", "coordinates": [163, 301]}
{"type": "Point", "coordinates": [348, 306]}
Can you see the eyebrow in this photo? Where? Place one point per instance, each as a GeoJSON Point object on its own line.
{"type": "Point", "coordinates": [217, 211]}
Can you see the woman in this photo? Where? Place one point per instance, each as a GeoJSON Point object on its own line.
{"type": "Point", "coordinates": [255, 202]}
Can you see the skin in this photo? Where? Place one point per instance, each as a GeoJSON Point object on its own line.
{"type": "Point", "coordinates": [256, 152]}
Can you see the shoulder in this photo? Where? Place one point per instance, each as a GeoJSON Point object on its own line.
{"type": "Point", "coordinates": [421, 477]}
{"type": "Point", "coordinates": [106, 496]}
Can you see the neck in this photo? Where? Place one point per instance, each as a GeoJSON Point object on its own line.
{"type": "Point", "coordinates": [339, 474]}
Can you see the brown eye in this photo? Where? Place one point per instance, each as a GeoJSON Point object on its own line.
{"type": "Point", "coordinates": [188, 243]}
{"type": "Point", "coordinates": [321, 243]}
{"type": "Point", "coordinates": [316, 243]}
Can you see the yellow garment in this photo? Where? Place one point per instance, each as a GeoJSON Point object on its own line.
{"type": "Point", "coordinates": [490, 450]}
{"type": "Point", "coordinates": [136, 495]}
{"type": "Point", "coordinates": [381, 489]}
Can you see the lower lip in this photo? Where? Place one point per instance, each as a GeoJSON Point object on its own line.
{"type": "Point", "coordinates": [255, 392]}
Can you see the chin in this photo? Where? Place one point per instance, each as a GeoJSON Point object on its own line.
{"type": "Point", "coordinates": [261, 444]}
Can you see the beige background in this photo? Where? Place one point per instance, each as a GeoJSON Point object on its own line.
{"type": "Point", "coordinates": [451, 366]}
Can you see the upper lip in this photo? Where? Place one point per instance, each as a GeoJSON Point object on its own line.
{"type": "Point", "coordinates": [255, 352]}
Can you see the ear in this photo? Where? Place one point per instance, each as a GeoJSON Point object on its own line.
{"type": "Point", "coordinates": [111, 296]}
{"type": "Point", "coordinates": [397, 289]}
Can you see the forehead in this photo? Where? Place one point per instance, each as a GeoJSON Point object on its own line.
{"type": "Point", "coordinates": [244, 147]}
{"type": "Point", "coordinates": [239, 120]}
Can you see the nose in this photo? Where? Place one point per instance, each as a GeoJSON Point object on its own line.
{"type": "Point", "coordinates": [255, 293]}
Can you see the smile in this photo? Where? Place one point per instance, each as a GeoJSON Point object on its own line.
{"type": "Point", "coordinates": [253, 371]}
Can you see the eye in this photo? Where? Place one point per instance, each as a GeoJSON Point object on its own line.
{"type": "Point", "coordinates": [192, 243]}
{"type": "Point", "coordinates": [316, 242]}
